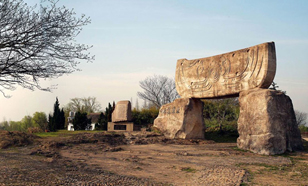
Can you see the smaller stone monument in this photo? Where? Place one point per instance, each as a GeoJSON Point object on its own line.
{"type": "Point", "coordinates": [121, 117]}
{"type": "Point", "coordinates": [181, 119]}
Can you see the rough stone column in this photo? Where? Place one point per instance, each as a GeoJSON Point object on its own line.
{"type": "Point", "coordinates": [122, 112]}
{"type": "Point", "coordinates": [267, 123]}
{"type": "Point", "coordinates": [182, 118]}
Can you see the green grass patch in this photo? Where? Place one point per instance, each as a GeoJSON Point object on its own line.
{"type": "Point", "coordinates": [241, 150]}
{"type": "Point", "coordinates": [188, 169]}
{"type": "Point", "coordinates": [269, 167]}
{"type": "Point", "coordinates": [64, 133]}
{"type": "Point", "coordinates": [243, 184]}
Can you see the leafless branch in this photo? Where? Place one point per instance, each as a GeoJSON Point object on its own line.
{"type": "Point", "coordinates": [158, 90]}
{"type": "Point", "coordinates": [39, 43]}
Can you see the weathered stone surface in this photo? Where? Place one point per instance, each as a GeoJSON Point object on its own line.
{"type": "Point", "coordinates": [181, 119]}
{"type": "Point", "coordinates": [120, 126]}
{"type": "Point", "coordinates": [227, 74]}
{"type": "Point", "coordinates": [267, 123]}
{"type": "Point", "coordinates": [122, 112]}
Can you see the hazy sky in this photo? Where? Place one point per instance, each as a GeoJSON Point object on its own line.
{"type": "Point", "coordinates": [133, 39]}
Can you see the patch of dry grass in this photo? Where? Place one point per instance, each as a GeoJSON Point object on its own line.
{"type": "Point", "coordinates": [15, 139]}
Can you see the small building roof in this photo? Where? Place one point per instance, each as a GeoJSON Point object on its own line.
{"type": "Point", "coordinates": [94, 117]}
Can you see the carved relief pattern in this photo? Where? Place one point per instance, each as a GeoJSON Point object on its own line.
{"type": "Point", "coordinates": [230, 71]}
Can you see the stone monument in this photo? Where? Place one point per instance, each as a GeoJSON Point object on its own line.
{"type": "Point", "coordinates": [266, 124]}
{"type": "Point", "coordinates": [121, 117]}
{"type": "Point", "coordinates": [227, 74]}
{"type": "Point", "coordinates": [181, 119]}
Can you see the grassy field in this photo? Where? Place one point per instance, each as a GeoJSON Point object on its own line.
{"type": "Point", "coordinates": [64, 133]}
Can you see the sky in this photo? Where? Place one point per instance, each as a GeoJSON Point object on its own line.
{"type": "Point", "coordinates": [135, 39]}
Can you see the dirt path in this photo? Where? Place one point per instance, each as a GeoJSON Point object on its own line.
{"type": "Point", "coordinates": [17, 167]}
{"type": "Point", "coordinates": [145, 159]}
{"type": "Point", "coordinates": [206, 164]}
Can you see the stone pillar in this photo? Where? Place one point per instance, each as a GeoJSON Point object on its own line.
{"type": "Point", "coordinates": [121, 117]}
{"type": "Point", "coordinates": [182, 118]}
{"type": "Point", "coordinates": [122, 112]}
{"type": "Point", "coordinates": [267, 123]}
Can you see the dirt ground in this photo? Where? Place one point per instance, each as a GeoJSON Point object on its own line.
{"type": "Point", "coordinates": [145, 159]}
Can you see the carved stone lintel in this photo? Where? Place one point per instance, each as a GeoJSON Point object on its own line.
{"type": "Point", "coordinates": [227, 74]}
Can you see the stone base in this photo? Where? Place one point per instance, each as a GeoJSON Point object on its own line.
{"type": "Point", "coordinates": [267, 123]}
{"type": "Point", "coordinates": [120, 126]}
{"type": "Point", "coordinates": [181, 119]}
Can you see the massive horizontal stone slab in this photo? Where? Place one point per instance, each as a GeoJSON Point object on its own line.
{"type": "Point", "coordinates": [227, 74]}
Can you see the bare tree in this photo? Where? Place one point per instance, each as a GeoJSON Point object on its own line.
{"type": "Point", "coordinates": [158, 90]}
{"type": "Point", "coordinates": [301, 118]}
{"type": "Point", "coordinates": [88, 105]}
{"type": "Point", "coordinates": [38, 43]}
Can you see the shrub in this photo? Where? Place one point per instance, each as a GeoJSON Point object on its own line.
{"type": "Point", "coordinates": [144, 117]}
{"type": "Point", "coordinates": [34, 130]}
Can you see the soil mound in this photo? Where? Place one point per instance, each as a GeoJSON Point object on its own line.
{"type": "Point", "coordinates": [154, 138]}
{"type": "Point", "coordinates": [9, 139]}
{"type": "Point", "coordinates": [110, 139]}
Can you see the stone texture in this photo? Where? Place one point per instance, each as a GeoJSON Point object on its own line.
{"type": "Point", "coordinates": [181, 119]}
{"type": "Point", "coordinates": [267, 123]}
{"type": "Point", "coordinates": [129, 126]}
{"type": "Point", "coordinates": [122, 112]}
{"type": "Point", "coordinates": [227, 74]}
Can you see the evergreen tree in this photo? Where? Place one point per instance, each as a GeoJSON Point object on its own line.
{"type": "Point", "coordinates": [56, 114]}
{"type": "Point", "coordinates": [57, 120]}
{"type": "Point", "coordinates": [108, 112]}
{"type": "Point", "coordinates": [62, 119]}
{"type": "Point", "coordinates": [51, 123]}
{"type": "Point", "coordinates": [113, 106]}
{"type": "Point", "coordinates": [102, 122]}
{"type": "Point", "coordinates": [105, 117]}
{"type": "Point", "coordinates": [81, 121]}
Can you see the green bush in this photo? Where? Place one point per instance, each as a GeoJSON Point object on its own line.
{"type": "Point", "coordinates": [144, 117]}
{"type": "Point", "coordinates": [221, 115]}
{"type": "Point", "coordinates": [303, 128]}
